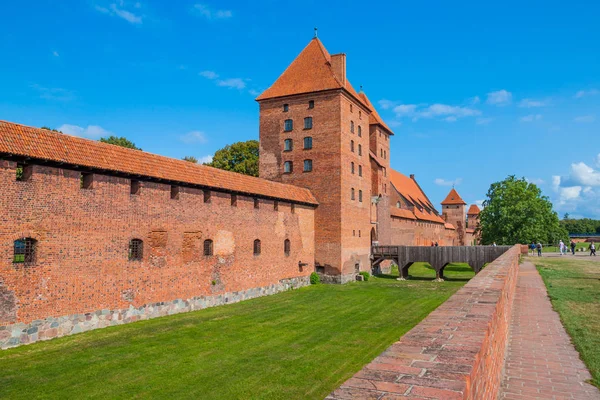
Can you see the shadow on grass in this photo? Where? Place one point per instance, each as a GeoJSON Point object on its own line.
{"type": "Point", "coordinates": [451, 269]}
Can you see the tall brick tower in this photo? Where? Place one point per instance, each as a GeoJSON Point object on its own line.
{"type": "Point", "coordinates": [314, 133]}
{"type": "Point", "coordinates": [453, 210]}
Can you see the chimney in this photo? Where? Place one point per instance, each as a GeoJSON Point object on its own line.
{"type": "Point", "coordinates": [412, 176]}
{"type": "Point", "coordinates": [338, 64]}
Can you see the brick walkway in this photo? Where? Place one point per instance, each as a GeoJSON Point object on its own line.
{"type": "Point", "coordinates": [541, 362]}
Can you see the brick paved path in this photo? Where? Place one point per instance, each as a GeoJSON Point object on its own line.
{"type": "Point", "coordinates": [541, 362]}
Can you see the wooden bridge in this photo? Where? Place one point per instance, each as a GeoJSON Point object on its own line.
{"type": "Point", "coordinates": [437, 257]}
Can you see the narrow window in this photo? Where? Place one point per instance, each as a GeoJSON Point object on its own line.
{"type": "Point", "coordinates": [359, 233]}
{"type": "Point", "coordinates": [360, 170]}
{"type": "Point", "coordinates": [136, 250]}
{"type": "Point", "coordinates": [286, 247]}
{"type": "Point", "coordinates": [307, 143]}
{"type": "Point", "coordinates": [359, 150]}
{"type": "Point", "coordinates": [311, 104]}
{"type": "Point", "coordinates": [352, 146]}
{"type": "Point", "coordinates": [208, 247]}
{"type": "Point", "coordinates": [352, 194]}
{"type": "Point", "coordinates": [293, 208]}
{"type": "Point", "coordinates": [174, 192]}
{"type": "Point", "coordinates": [86, 180]}
{"type": "Point", "coordinates": [359, 131]}
{"type": "Point", "coordinates": [360, 196]}
{"type": "Point", "coordinates": [350, 107]}
{"type": "Point", "coordinates": [288, 125]}
{"type": "Point", "coordinates": [234, 200]}
{"type": "Point", "coordinates": [23, 172]}
{"type": "Point", "coordinates": [307, 165]}
{"type": "Point", "coordinates": [352, 167]}
{"type": "Point", "coordinates": [385, 188]}
{"type": "Point", "coordinates": [286, 107]}
{"type": "Point", "coordinates": [381, 153]}
{"type": "Point", "coordinates": [276, 205]}
{"type": "Point", "coordinates": [256, 247]}
{"type": "Point", "coordinates": [384, 172]}
{"type": "Point", "coordinates": [398, 204]}
{"type": "Point", "coordinates": [288, 167]}
{"type": "Point", "coordinates": [206, 196]}
{"type": "Point", "coordinates": [256, 203]}
{"type": "Point", "coordinates": [24, 251]}
{"type": "Point", "coordinates": [360, 114]}
{"type": "Point", "coordinates": [351, 126]}
{"type": "Point", "coordinates": [353, 232]}
{"type": "Point", "coordinates": [308, 123]}
{"type": "Point", "coordinates": [135, 187]}
{"type": "Point", "coordinates": [288, 145]}
{"type": "Point", "coordinates": [385, 154]}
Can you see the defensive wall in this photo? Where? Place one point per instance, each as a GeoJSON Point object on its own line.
{"type": "Point", "coordinates": [457, 352]}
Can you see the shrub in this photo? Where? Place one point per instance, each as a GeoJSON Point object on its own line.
{"type": "Point", "coordinates": [314, 278]}
{"type": "Point", "coordinates": [365, 275]}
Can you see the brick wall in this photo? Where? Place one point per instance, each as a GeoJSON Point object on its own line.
{"type": "Point", "coordinates": [83, 238]}
{"type": "Point", "coordinates": [457, 352]}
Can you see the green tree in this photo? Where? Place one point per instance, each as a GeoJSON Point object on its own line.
{"type": "Point", "coordinates": [515, 211]}
{"type": "Point", "coordinates": [50, 129]}
{"type": "Point", "coordinates": [191, 159]}
{"type": "Point", "coordinates": [120, 141]}
{"type": "Point", "coordinates": [239, 157]}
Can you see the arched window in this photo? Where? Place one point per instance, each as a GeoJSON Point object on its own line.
{"type": "Point", "coordinates": [398, 204]}
{"type": "Point", "coordinates": [352, 126]}
{"type": "Point", "coordinates": [208, 247]}
{"type": "Point", "coordinates": [359, 131]}
{"type": "Point", "coordinates": [352, 167]}
{"type": "Point", "coordinates": [24, 251]}
{"type": "Point", "coordinates": [360, 170]}
{"type": "Point", "coordinates": [256, 247]}
{"type": "Point", "coordinates": [360, 196]}
{"type": "Point", "coordinates": [286, 247]}
{"type": "Point", "coordinates": [359, 150]}
{"type": "Point", "coordinates": [136, 250]}
{"type": "Point", "coordinates": [352, 146]}
{"type": "Point", "coordinates": [352, 194]}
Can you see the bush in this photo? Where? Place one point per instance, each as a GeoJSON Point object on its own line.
{"type": "Point", "coordinates": [314, 278]}
{"type": "Point", "coordinates": [365, 275]}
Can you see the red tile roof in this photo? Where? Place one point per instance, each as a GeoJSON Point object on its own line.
{"type": "Point", "coordinates": [311, 71]}
{"type": "Point", "coordinates": [409, 188]}
{"type": "Point", "coordinates": [374, 118]}
{"type": "Point", "coordinates": [470, 230]}
{"type": "Point", "coordinates": [448, 225]}
{"type": "Point", "coordinates": [453, 198]}
{"type": "Point", "coordinates": [402, 213]}
{"type": "Point", "coordinates": [473, 210]}
{"type": "Point", "coordinates": [42, 144]}
{"type": "Point", "coordinates": [425, 216]}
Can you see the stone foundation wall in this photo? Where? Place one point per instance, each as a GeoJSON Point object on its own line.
{"type": "Point", "coordinates": [53, 327]}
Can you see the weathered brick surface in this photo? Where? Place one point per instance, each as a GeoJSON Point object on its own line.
{"type": "Point", "coordinates": [457, 352]}
{"type": "Point", "coordinates": [83, 236]}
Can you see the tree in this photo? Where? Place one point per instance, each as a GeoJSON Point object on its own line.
{"type": "Point", "coordinates": [50, 129]}
{"type": "Point", "coordinates": [566, 216]}
{"type": "Point", "coordinates": [239, 157]}
{"type": "Point", "coordinates": [515, 211]}
{"type": "Point", "coordinates": [120, 141]}
{"type": "Point", "coordinates": [191, 159]}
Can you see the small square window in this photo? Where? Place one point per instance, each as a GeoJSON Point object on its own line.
{"type": "Point", "coordinates": [135, 187]}
{"type": "Point", "coordinates": [286, 107]}
{"type": "Point", "coordinates": [86, 181]}
{"type": "Point", "coordinates": [308, 165]}
{"type": "Point", "coordinates": [256, 203]}
{"type": "Point", "coordinates": [293, 208]}
{"type": "Point", "coordinates": [288, 125]}
{"type": "Point", "coordinates": [23, 172]}
{"type": "Point", "coordinates": [308, 123]}
{"type": "Point", "coordinates": [311, 104]}
{"type": "Point", "coordinates": [276, 205]}
{"type": "Point", "coordinates": [288, 167]}
{"type": "Point", "coordinates": [307, 143]}
{"type": "Point", "coordinates": [234, 200]}
{"type": "Point", "coordinates": [207, 196]}
{"type": "Point", "coordinates": [288, 145]}
{"type": "Point", "coordinates": [174, 192]}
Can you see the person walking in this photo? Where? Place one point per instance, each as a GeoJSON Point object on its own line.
{"type": "Point", "coordinates": [539, 249]}
{"type": "Point", "coordinates": [561, 246]}
{"type": "Point", "coordinates": [593, 249]}
{"type": "Point", "coordinates": [573, 245]}
{"type": "Point", "coordinates": [532, 248]}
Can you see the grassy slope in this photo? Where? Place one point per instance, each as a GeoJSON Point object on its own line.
{"type": "Point", "coordinates": [574, 288]}
{"type": "Point", "coordinates": [295, 345]}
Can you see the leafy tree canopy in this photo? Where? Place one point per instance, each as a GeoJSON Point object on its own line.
{"type": "Point", "coordinates": [239, 157]}
{"type": "Point", "coordinates": [191, 159]}
{"type": "Point", "coordinates": [515, 211]}
{"type": "Point", "coordinates": [50, 129]}
{"type": "Point", "coordinates": [120, 141]}
{"type": "Point", "coordinates": [584, 225]}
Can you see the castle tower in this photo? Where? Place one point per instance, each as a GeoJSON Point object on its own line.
{"type": "Point", "coordinates": [473, 222]}
{"type": "Point", "coordinates": [453, 210]}
{"type": "Point", "coordinates": [314, 133]}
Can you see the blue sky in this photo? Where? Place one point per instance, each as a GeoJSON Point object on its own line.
{"type": "Point", "coordinates": [474, 91]}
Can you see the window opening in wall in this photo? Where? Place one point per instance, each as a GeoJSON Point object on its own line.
{"type": "Point", "coordinates": [308, 123]}
{"type": "Point", "coordinates": [311, 104]}
{"type": "Point", "coordinates": [351, 126]}
{"type": "Point", "coordinates": [288, 167]}
{"type": "Point", "coordinates": [23, 172]}
{"type": "Point", "coordinates": [135, 187]}
{"type": "Point", "coordinates": [359, 150]}
{"type": "Point", "coordinates": [174, 192]}
{"type": "Point", "coordinates": [234, 200]}
{"type": "Point", "coordinates": [353, 232]}
{"type": "Point", "coordinates": [350, 107]}
{"type": "Point", "coordinates": [307, 143]}
{"type": "Point", "coordinates": [293, 208]}
{"type": "Point", "coordinates": [381, 153]}
{"type": "Point", "coordinates": [208, 247]}
{"type": "Point", "coordinates": [136, 250]}
{"type": "Point", "coordinates": [286, 107]}
{"type": "Point", "coordinates": [276, 205]}
{"type": "Point", "coordinates": [288, 145]}
{"type": "Point", "coordinates": [286, 247]}
{"type": "Point", "coordinates": [256, 247]}
{"type": "Point", "coordinates": [360, 196]}
{"type": "Point", "coordinates": [359, 131]}
{"type": "Point", "coordinates": [256, 203]}
{"type": "Point", "coordinates": [360, 170]}
{"type": "Point", "coordinates": [352, 167]}
{"type": "Point", "coordinates": [207, 195]}
{"type": "Point", "coordinates": [86, 180]}
{"type": "Point", "coordinates": [360, 114]}
{"type": "Point", "coordinates": [385, 188]}
{"type": "Point", "coordinates": [288, 125]}
{"type": "Point", "coordinates": [308, 165]}
{"type": "Point", "coordinates": [352, 194]}
{"type": "Point", "coordinates": [358, 236]}
{"type": "Point", "coordinates": [398, 204]}
{"type": "Point", "coordinates": [352, 146]}
{"type": "Point", "coordinates": [24, 251]}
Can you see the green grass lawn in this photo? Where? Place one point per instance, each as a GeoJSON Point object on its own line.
{"type": "Point", "coordinates": [295, 345]}
{"type": "Point", "coordinates": [555, 249]}
{"type": "Point", "coordinates": [574, 289]}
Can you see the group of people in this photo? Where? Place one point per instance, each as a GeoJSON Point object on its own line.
{"type": "Point", "coordinates": [564, 249]}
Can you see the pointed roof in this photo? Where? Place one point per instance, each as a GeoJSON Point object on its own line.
{"type": "Point", "coordinates": [311, 71]}
{"type": "Point", "coordinates": [473, 210]}
{"type": "Point", "coordinates": [453, 198]}
{"type": "Point", "coordinates": [411, 191]}
{"type": "Point", "coordinates": [374, 118]}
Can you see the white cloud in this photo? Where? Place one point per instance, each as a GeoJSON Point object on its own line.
{"type": "Point", "coordinates": [193, 137]}
{"type": "Point", "coordinates": [254, 92]}
{"type": "Point", "coordinates": [405, 110]}
{"type": "Point", "coordinates": [499, 98]}
{"type": "Point", "coordinates": [119, 11]}
{"type": "Point", "coordinates": [585, 118]}
{"type": "Point", "coordinates": [209, 13]}
{"type": "Point", "coordinates": [535, 181]}
{"type": "Point", "coordinates": [579, 191]}
{"type": "Point", "coordinates": [444, 182]}
{"type": "Point", "coordinates": [531, 118]}
{"type": "Point", "coordinates": [209, 74]}
{"type": "Point", "coordinates": [450, 119]}
{"type": "Point", "coordinates": [58, 94]}
{"type": "Point", "coordinates": [91, 132]}
{"type": "Point", "coordinates": [531, 103]}
{"type": "Point", "coordinates": [598, 160]}
{"type": "Point", "coordinates": [205, 159]}
{"type": "Point", "coordinates": [386, 104]}
{"type": "Point", "coordinates": [474, 100]}
{"type": "Point", "coordinates": [483, 121]}
{"type": "Point", "coordinates": [55, 54]}
{"type": "Point", "coordinates": [446, 112]}
{"type": "Point", "coordinates": [584, 175]}
{"type": "Point", "coordinates": [234, 83]}
{"type": "Point", "coordinates": [583, 93]}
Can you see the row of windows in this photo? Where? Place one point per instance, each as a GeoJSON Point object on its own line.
{"type": "Point", "coordinates": [25, 249]}
{"type": "Point", "coordinates": [311, 104]}
{"type": "Point", "coordinates": [288, 166]}
{"type": "Point", "coordinates": [360, 195]}
{"type": "Point", "coordinates": [288, 124]}
{"type": "Point", "coordinates": [359, 169]}
{"type": "Point", "coordinates": [288, 144]}
{"type": "Point", "coordinates": [359, 112]}
{"type": "Point", "coordinates": [383, 153]}
{"type": "Point", "coordinates": [352, 148]}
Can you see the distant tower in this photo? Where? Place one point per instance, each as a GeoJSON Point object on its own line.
{"type": "Point", "coordinates": [453, 210]}
{"type": "Point", "coordinates": [473, 221]}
